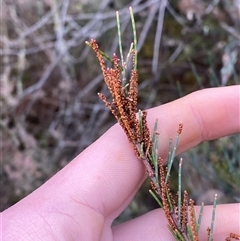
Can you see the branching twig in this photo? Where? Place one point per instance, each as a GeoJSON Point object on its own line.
{"type": "Point", "coordinates": [181, 217]}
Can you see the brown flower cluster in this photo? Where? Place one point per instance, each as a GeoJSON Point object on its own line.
{"type": "Point", "coordinates": [182, 223]}
{"type": "Point", "coordinates": [124, 101]}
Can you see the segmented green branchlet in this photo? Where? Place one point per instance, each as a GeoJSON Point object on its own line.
{"type": "Point", "coordinates": [134, 37]}
{"type": "Point", "coordinates": [179, 192]}
{"type": "Point", "coordinates": [213, 219]}
{"type": "Point", "coordinates": [200, 217]}
{"type": "Point", "coordinates": [173, 152]}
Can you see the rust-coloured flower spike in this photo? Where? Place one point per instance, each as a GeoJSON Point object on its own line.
{"type": "Point", "coordinates": [133, 87]}
{"type": "Point", "coordinates": [192, 220]}
{"type": "Point", "coordinates": [95, 47]}
{"type": "Point", "coordinates": [123, 106]}
{"type": "Point", "coordinates": [164, 198]}
{"type": "Point", "coordinates": [180, 127]}
{"type": "Point", "coordinates": [171, 197]}
{"type": "Point", "coordinates": [184, 211]}
{"type": "Point", "coordinates": [146, 133]}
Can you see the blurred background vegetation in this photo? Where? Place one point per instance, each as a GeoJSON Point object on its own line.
{"type": "Point", "coordinates": [49, 79]}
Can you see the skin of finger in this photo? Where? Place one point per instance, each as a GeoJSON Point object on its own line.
{"type": "Point", "coordinates": [153, 225]}
{"type": "Point", "coordinates": [106, 175]}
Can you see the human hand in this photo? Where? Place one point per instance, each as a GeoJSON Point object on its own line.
{"type": "Point", "coordinates": [81, 201]}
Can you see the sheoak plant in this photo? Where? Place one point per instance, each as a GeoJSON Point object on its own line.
{"type": "Point", "coordinates": [179, 209]}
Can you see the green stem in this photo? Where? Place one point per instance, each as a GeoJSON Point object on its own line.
{"type": "Point", "coordinates": [213, 218]}
{"type": "Point", "coordinates": [120, 49]}
{"type": "Point", "coordinates": [179, 192]}
{"type": "Point", "coordinates": [134, 37]}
